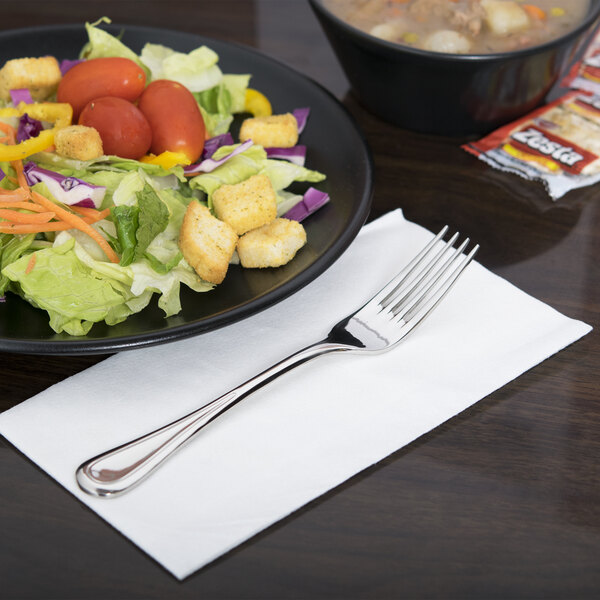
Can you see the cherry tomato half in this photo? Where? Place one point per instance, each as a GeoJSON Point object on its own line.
{"type": "Point", "coordinates": [176, 121]}
{"type": "Point", "coordinates": [98, 77]}
{"type": "Point", "coordinates": [122, 127]}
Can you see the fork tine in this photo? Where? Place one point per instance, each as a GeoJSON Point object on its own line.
{"type": "Point", "coordinates": [428, 302]}
{"type": "Point", "coordinates": [429, 279]}
{"type": "Point", "coordinates": [391, 288]}
{"type": "Point", "coordinates": [409, 286]}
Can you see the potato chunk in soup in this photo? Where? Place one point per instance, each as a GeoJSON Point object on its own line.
{"type": "Point", "coordinates": [503, 18]}
{"type": "Point", "coordinates": [463, 26]}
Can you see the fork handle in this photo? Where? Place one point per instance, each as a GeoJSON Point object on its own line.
{"type": "Point", "coordinates": [118, 470]}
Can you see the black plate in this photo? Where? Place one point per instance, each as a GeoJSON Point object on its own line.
{"type": "Point", "coordinates": [335, 147]}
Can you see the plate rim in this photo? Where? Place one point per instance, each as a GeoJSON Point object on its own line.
{"type": "Point", "coordinates": [81, 345]}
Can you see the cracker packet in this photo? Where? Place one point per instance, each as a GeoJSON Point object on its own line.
{"type": "Point", "coordinates": [557, 144]}
{"type": "Point", "coordinates": [585, 73]}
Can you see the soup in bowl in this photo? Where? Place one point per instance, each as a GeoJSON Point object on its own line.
{"type": "Point", "coordinates": [463, 26]}
{"type": "Point", "coordinates": [455, 67]}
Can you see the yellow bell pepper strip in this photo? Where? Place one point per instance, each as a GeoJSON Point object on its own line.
{"type": "Point", "coordinates": [166, 159]}
{"type": "Point", "coordinates": [57, 113]}
{"type": "Point", "coordinates": [257, 104]}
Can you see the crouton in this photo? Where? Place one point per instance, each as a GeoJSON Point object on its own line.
{"type": "Point", "coordinates": [271, 245]}
{"type": "Point", "coordinates": [40, 76]}
{"type": "Point", "coordinates": [206, 243]}
{"type": "Point", "coordinates": [78, 141]}
{"type": "Point", "coordinates": [246, 205]}
{"type": "Point", "coordinates": [274, 131]}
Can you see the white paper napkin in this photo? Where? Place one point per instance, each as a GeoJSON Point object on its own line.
{"type": "Point", "coordinates": [305, 433]}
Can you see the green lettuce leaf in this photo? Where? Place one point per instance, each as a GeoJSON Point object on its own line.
{"type": "Point", "coordinates": [236, 85]}
{"type": "Point", "coordinates": [218, 103]}
{"type": "Point", "coordinates": [153, 219]}
{"type": "Point", "coordinates": [196, 70]}
{"type": "Point", "coordinates": [163, 267]}
{"type": "Point", "coordinates": [235, 170]}
{"type": "Point", "coordinates": [139, 216]}
{"type": "Point", "coordinates": [126, 192]}
{"type": "Point", "coordinates": [216, 123]}
{"type": "Point", "coordinates": [167, 284]}
{"type": "Point", "coordinates": [12, 247]}
{"type": "Point", "coordinates": [126, 220]}
{"type": "Point", "coordinates": [77, 286]}
{"type": "Point", "coordinates": [102, 44]}
{"type": "Point", "coordinates": [229, 96]}
{"type": "Point", "coordinates": [215, 100]}
{"type": "Point", "coordinates": [163, 252]}
{"type": "Point", "coordinates": [5, 182]}
{"type": "Point", "coordinates": [105, 164]}
{"type": "Point", "coordinates": [147, 218]}
{"type": "Point", "coordinates": [109, 179]}
{"type": "Point", "coordinates": [283, 173]}
{"type": "Point", "coordinates": [139, 281]}
{"type": "Point", "coordinates": [77, 290]}
{"type": "Point", "coordinates": [251, 162]}
{"type": "Point", "coordinates": [65, 287]}
{"type": "Point", "coordinates": [286, 201]}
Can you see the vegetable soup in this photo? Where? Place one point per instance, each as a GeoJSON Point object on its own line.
{"type": "Point", "coordinates": [463, 26]}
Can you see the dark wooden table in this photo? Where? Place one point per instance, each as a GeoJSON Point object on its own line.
{"type": "Point", "coordinates": [503, 501]}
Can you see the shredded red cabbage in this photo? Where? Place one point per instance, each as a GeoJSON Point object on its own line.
{"type": "Point", "coordinates": [21, 95]}
{"type": "Point", "coordinates": [209, 164]}
{"type": "Point", "coordinates": [214, 143]}
{"type": "Point", "coordinates": [313, 200]}
{"type": "Point", "coordinates": [28, 128]}
{"type": "Point", "coordinates": [301, 115]}
{"type": "Point", "coordinates": [68, 190]}
{"type": "Point", "coordinates": [67, 64]}
{"type": "Point", "coordinates": [2, 174]}
{"type": "Point", "coordinates": [295, 154]}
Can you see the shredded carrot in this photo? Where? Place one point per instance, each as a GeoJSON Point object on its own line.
{"type": "Point", "coordinates": [8, 130]}
{"type": "Point", "coordinates": [86, 211]}
{"type": "Point", "coordinates": [21, 179]}
{"type": "Point", "coordinates": [10, 195]}
{"type": "Point", "coordinates": [101, 214]}
{"type": "Point", "coordinates": [535, 12]}
{"type": "Point", "coordinates": [25, 205]}
{"type": "Point", "coordinates": [30, 264]}
{"type": "Point", "coordinates": [76, 222]}
{"type": "Point", "coordinates": [39, 220]}
{"type": "Point", "coordinates": [22, 228]}
{"type": "Point", "coordinates": [20, 217]}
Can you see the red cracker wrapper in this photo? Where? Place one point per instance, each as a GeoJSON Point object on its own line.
{"type": "Point", "coordinates": [585, 74]}
{"type": "Point", "coordinates": [557, 144]}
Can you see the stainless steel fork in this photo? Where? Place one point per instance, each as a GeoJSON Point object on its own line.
{"type": "Point", "coordinates": [379, 325]}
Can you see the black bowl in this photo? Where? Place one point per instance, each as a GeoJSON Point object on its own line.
{"type": "Point", "coordinates": [450, 94]}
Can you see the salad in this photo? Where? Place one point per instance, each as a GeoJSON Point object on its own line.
{"type": "Point", "coordinates": [120, 178]}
